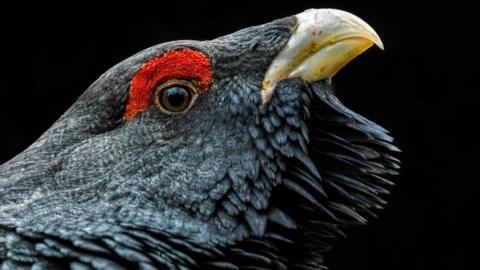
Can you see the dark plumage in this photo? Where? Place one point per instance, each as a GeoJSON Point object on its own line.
{"type": "Point", "coordinates": [228, 184]}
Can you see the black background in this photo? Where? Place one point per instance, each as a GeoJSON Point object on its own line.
{"type": "Point", "coordinates": [424, 88]}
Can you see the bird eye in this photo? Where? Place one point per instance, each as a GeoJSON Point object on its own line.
{"type": "Point", "coordinates": [174, 97]}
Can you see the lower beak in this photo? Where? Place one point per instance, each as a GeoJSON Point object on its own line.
{"type": "Point", "coordinates": [324, 41]}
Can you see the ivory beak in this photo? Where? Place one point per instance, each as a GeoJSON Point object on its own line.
{"type": "Point", "coordinates": [324, 41]}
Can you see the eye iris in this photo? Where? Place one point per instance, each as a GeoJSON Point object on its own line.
{"type": "Point", "coordinates": [176, 98]}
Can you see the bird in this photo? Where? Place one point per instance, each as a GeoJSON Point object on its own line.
{"type": "Point", "coordinates": [231, 153]}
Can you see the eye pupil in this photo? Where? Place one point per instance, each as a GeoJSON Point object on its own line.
{"type": "Point", "coordinates": [175, 98]}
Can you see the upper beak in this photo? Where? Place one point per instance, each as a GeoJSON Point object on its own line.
{"type": "Point", "coordinates": [323, 42]}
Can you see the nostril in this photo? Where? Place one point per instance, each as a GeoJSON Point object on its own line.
{"type": "Point", "coordinates": [254, 45]}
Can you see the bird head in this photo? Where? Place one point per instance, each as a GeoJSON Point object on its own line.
{"type": "Point", "coordinates": [225, 153]}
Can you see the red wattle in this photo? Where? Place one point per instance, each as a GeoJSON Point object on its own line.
{"type": "Point", "coordinates": [176, 64]}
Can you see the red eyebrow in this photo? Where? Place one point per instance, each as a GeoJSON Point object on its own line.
{"type": "Point", "coordinates": [175, 64]}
